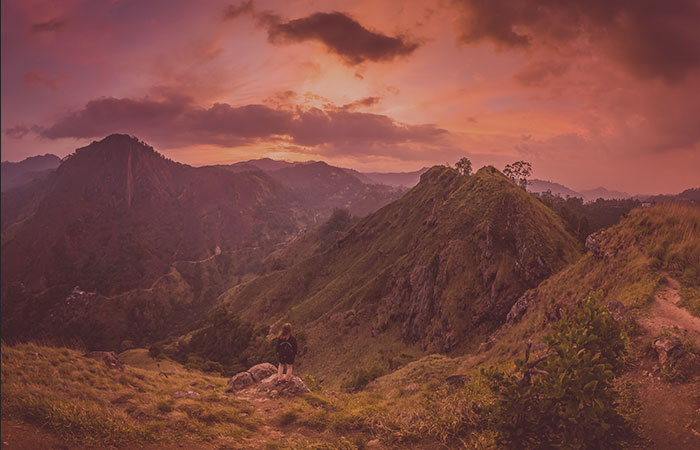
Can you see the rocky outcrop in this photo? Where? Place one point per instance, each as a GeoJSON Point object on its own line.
{"type": "Point", "coordinates": [186, 394]}
{"type": "Point", "coordinates": [241, 380]}
{"type": "Point", "coordinates": [667, 348]}
{"type": "Point", "coordinates": [109, 358]}
{"type": "Point", "coordinates": [261, 371]}
{"type": "Point", "coordinates": [593, 243]}
{"type": "Point", "coordinates": [518, 308]}
{"type": "Point", "coordinates": [272, 388]}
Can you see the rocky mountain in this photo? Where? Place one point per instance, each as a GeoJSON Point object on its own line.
{"type": "Point", "coordinates": [17, 174]}
{"type": "Point", "coordinates": [324, 187]}
{"type": "Point", "coordinates": [117, 217]}
{"type": "Point", "coordinates": [431, 271]}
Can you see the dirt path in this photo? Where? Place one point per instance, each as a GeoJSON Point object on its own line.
{"type": "Point", "coordinates": [665, 313]}
{"type": "Point", "coordinates": [670, 414]}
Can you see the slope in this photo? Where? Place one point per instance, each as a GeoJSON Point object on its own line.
{"type": "Point", "coordinates": [116, 216]}
{"type": "Point", "coordinates": [431, 271]}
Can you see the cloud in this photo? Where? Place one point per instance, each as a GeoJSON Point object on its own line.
{"type": "Point", "coordinates": [18, 131]}
{"type": "Point", "coordinates": [49, 26]}
{"type": "Point", "coordinates": [340, 33]}
{"type": "Point", "coordinates": [362, 103]}
{"type": "Point", "coordinates": [343, 36]}
{"type": "Point", "coordinates": [177, 121]}
{"type": "Point", "coordinates": [650, 39]}
{"type": "Point", "coordinates": [35, 78]}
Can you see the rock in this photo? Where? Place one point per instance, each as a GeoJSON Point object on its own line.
{"type": "Point", "coordinates": [270, 387]}
{"type": "Point", "coordinates": [261, 371]}
{"type": "Point", "coordinates": [241, 380]}
{"type": "Point", "coordinates": [618, 311]}
{"type": "Point", "coordinates": [374, 443]}
{"type": "Point", "coordinates": [518, 308]}
{"type": "Point", "coordinates": [109, 358]}
{"type": "Point", "coordinates": [593, 242]}
{"type": "Point", "coordinates": [667, 347]}
{"type": "Point", "coordinates": [487, 344]}
{"type": "Point", "coordinates": [457, 380]}
{"type": "Point", "coordinates": [186, 394]}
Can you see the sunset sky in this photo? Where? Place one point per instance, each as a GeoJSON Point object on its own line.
{"type": "Point", "coordinates": [594, 92]}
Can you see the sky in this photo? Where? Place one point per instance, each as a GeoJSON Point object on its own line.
{"type": "Point", "coordinates": [592, 92]}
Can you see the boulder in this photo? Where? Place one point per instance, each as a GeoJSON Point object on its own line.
{"type": "Point", "coordinates": [261, 371]}
{"type": "Point", "coordinates": [290, 388]}
{"type": "Point", "coordinates": [667, 347]}
{"type": "Point", "coordinates": [593, 243]}
{"type": "Point", "coordinates": [109, 358]}
{"type": "Point", "coordinates": [186, 394]}
{"type": "Point", "coordinates": [518, 308]}
{"type": "Point", "coordinates": [241, 380]}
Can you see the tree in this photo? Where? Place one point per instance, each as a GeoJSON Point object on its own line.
{"type": "Point", "coordinates": [519, 172]}
{"type": "Point", "coordinates": [464, 166]}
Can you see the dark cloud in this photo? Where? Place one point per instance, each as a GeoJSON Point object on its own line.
{"type": "Point", "coordinates": [340, 33]}
{"type": "Point", "coordinates": [18, 131]}
{"type": "Point", "coordinates": [178, 121]}
{"type": "Point", "coordinates": [343, 36]}
{"type": "Point", "coordinates": [362, 103]}
{"type": "Point", "coordinates": [234, 11]}
{"type": "Point", "coordinates": [49, 26]}
{"type": "Point", "coordinates": [649, 38]}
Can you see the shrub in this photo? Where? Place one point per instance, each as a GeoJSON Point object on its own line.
{"type": "Point", "coordinates": [362, 378]}
{"type": "Point", "coordinates": [570, 401]}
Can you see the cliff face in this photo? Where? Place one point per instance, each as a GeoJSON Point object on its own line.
{"type": "Point", "coordinates": [433, 270]}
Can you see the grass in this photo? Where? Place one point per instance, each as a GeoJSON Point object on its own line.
{"type": "Point", "coordinates": [82, 400]}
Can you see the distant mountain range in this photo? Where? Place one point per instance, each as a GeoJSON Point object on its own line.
{"type": "Point", "coordinates": [588, 195]}
{"type": "Point", "coordinates": [324, 187]}
{"type": "Point", "coordinates": [16, 174]}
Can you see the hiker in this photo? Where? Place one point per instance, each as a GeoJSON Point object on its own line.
{"type": "Point", "coordinates": [286, 351]}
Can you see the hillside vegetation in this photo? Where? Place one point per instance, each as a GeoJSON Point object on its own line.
{"type": "Point", "coordinates": [432, 271]}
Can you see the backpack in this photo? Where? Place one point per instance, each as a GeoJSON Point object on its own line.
{"type": "Point", "coordinates": [286, 350]}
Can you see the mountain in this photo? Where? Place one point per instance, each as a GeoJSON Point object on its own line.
{"type": "Point", "coordinates": [117, 217]}
{"type": "Point", "coordinates": [431, 271]}
{"type": "Point", "coordinates": [16, 174]}
{"type": "Point", "coordinates": [322, 186]}
{"type": "Point", "coordinates": [396, 179]}
{"type": "Point", "coordinates": [691, 195]}
{"type": "Point", "coordinates": [591, 195]}
{"type": "Point", "coordinates": [540, 186]}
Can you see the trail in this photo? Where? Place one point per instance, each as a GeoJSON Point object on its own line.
{"type": "Point", "coordinates": [665, 313]}
{"type": "Point", "coordinates": [670, 412]}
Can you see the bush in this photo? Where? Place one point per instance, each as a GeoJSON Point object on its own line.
{"type": "Point", "coordinates": [362, 378]}
{"type": "Point", "coordinates": [571, 401]}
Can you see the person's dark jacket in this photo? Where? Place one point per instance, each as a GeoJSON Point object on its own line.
{"type": "Point", "coordinates": [292, 340]}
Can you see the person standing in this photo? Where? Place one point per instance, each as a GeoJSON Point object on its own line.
{"type": "Point", "coordinates": [286, 352]}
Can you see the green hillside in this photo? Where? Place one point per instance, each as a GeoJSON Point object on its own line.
{"type": "Point", "coordinates": [435, 270]}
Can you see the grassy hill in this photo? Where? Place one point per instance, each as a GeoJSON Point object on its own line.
{"type": "Point", "coordinates": [435, 270]}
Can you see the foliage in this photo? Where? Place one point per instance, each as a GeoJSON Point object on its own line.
{"type": "Point", "coordinates": [581, 218]}
{"type": "Point", "coordinates": [572, 402]}
{"type": "Point", "coordinates": [226, 344]}
{"type": "Point", "coordinates": [464, 166]}
{"type": "Point", "coordinates": [362, 377]}
{"type": "Point", "coordinates": [519, 172]}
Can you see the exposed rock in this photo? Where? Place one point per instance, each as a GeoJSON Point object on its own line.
{"type": "Point", "coordinates": [593, 243]}
{"type": "Point", "coordinates": [186, 394]}
{"type": "Point", "coordinates": [270, 387]}
{"type": "Point", "coordinates": [518, 308]}
{"type": "Point", "coordinates": [346, 319]}
{"type": "Point", "coordinates": [457, 380]}
{"type": "Point", "coordinates": [618, 311]}
{"type": "Point", "coordinates": [261, 371]}
{"type": "Point", "coordinates": [241, 380]}
{"type": "Point", "coordinates": [668, 347]}
{"type": "Point", "coordinates": [487, 344]}
{"type": "Point", "coordinates": [109, 358]}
